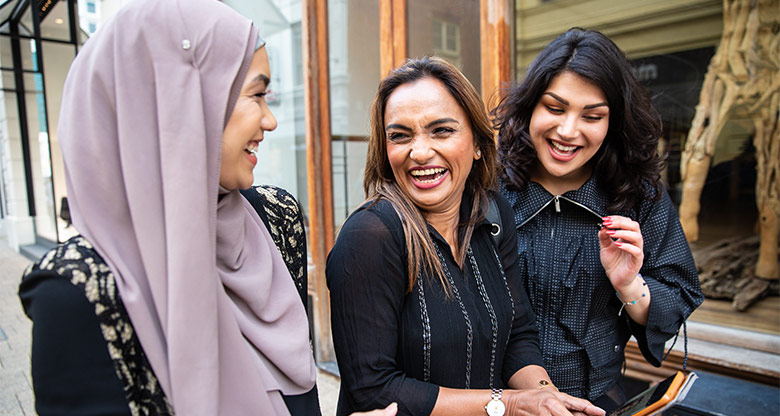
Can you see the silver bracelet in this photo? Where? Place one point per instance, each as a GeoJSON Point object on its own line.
{"type": "Point", "coordinates": [633, 302]}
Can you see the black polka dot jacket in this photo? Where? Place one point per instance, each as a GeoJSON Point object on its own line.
{"type": "Point", "coordinates": [581, 334]}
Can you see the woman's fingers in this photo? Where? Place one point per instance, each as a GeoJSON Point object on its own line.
{"type": "Point", "coordinates": [622, 249]}
{"type": "Point", "coordinates": [581, 406]}
{"type": "Point", "coordinates": [620, 222]}
{"type": "Point", "coordinates": [536, 402]}
{"type": "Point", "coordinates": [624, 233]}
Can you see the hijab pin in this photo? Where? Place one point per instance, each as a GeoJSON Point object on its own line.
{"type": "Point", "coordinates": [185, 44]}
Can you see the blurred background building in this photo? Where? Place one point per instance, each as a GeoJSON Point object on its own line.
{"type": "Point", "coordinates": [327, 57]}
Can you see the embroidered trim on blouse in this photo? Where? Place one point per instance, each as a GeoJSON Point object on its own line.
{"type": "Point", "coordinates": [469, 330]}
{"type": "Point", "coordinates": [506, 284]}
{"type": "Point", "coordinates": [426, 327]}
{"type": "Point", "coordinates": [491, 312]}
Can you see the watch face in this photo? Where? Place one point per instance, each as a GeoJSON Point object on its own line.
{"type": "Point", "coordinates": [495, 408]}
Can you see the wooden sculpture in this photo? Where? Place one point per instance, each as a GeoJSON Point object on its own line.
{"type": "Point", "coordinates": [742, 81]}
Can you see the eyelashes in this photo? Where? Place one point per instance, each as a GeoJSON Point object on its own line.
{"type": "Point", "coordinates": [437, 133]}
{"type": "Point", "coordinates": [396, 137]}
{"type": "Point", "coordinates": [559, 111]}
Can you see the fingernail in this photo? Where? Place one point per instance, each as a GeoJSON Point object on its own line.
{"type": "Point", "coordinates": [618, 243]}
{"type": "Point", "coordinates": [611, 232]}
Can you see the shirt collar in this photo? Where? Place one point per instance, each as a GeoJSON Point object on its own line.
{"type": "Point", "coordinates": [464, 213]}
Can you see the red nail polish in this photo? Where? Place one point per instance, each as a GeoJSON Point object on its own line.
{"type": "Point", "coordinates": [611, 232]}
{"type": "Point", "coordinates": [618, 243]}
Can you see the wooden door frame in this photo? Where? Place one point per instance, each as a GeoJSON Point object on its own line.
{"type": "Point", "coordinates": [316, 77]}
{"type": "Point", "coordinates": [495, 29]}
{"type": "Point", "coordinates": [495, 41]}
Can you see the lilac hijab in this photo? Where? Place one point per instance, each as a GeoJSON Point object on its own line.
{"type": "Point", "coordinates": [209, 296]}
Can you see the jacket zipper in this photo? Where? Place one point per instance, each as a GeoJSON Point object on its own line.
{"type": "Point", "coordinates": [556, 199]}
{"type": "Point", "coordinates": [579, 205]}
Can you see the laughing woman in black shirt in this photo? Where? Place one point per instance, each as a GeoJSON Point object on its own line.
{"type": "Point", "coordinates": [428, 308]}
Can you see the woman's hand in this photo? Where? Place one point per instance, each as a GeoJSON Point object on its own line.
{"type": "Point", "coordinates": [390, 410]}
{"type": "Point", "coordinates": [547, 402]}
{"type": "Point", "coordinates": [622, 257]}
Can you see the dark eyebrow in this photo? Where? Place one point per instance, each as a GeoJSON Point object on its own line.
{"type": "Point", "coordinates": [440, 121]}
{"type": "Point", "coordinates": [261, 78]}
{"type": "Point", "coordinates": [427, 126]}
{"type": "Point", "coordinates": [601, 104]}
{"type": "Point", "coordinates": [557, 98]}
{"type": "Point", "coordinates": [587, 107]}
{"type": "Point", "coordinates": [397, 126]}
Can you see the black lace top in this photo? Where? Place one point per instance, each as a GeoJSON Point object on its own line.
{"type": "Point", "coordinates": [62, 320]}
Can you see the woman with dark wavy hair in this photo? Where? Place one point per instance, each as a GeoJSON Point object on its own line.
{"type": "Point", "coordinates": [598, 237]}
{"type": "Point", "coordinates": [428, 308]}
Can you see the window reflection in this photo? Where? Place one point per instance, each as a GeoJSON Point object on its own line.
{"type": "Point", "coordinates": [449, 29]}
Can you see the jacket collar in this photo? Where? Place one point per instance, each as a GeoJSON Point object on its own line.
{"type": "Point", "coordinates": [533, 198]}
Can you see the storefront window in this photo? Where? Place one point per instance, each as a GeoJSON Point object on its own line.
{"type": "Point", "coordinates": [58, 58]}
{"type": "Point", "coordinates": [29, 186]}
{"type": "Point", "coordinates": [55, 22]}
{"type": "Point", "coordinates": [353, 44]}
{"type": "Point", "coordinates": [38, 137]}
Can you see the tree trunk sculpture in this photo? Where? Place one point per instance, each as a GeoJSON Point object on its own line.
{"type": "Point", "coordinates": [742, 80]}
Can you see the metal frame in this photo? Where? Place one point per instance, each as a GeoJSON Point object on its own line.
{"type": "Point", "coordinates": [21, 103]}
{"type": "Point", "coordinates": [13, 22]}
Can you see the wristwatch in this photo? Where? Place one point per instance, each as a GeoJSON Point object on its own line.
{"type": "Point", "coordinates": [495, 407]}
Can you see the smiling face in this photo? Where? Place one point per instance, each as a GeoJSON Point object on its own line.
{"type": "Point", "coordinates": [430, 144]}
{"type": "Point", "coordinates": [244, 131]}
{"type": "Point", "coordinates": [567, 127]}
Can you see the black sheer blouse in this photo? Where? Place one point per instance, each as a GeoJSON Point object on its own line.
{"type": "Point", "coordinates": [394, 346]}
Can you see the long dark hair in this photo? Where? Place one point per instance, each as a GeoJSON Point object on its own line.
{"type": "Point", "coordinates": [628, 160]}
{"type": "Point", "coordinates": [379, 180]}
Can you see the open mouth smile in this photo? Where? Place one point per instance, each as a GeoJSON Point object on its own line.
{"type": "Point", "coordinates": [250, 150]}
{"type": "Point", "coordinates": [561, 151]}
{"type": "Point", "coordinates": [428, 177]}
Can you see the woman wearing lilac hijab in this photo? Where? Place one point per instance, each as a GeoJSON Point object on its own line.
{"type": "Point", "coordinates": [174, 297]}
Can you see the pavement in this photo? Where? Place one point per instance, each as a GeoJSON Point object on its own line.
{"type": "Point", "coordinates": [16, 396]}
